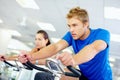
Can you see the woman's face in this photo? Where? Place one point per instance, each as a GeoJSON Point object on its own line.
{"type": "Point", "coordinates": [40, 41]}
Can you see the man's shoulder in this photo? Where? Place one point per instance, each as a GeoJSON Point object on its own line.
{"type": "Point", "coordinates": [100, 30]}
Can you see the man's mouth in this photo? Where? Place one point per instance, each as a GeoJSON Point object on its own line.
{"type": "Point", "coordinates": [73, 35]}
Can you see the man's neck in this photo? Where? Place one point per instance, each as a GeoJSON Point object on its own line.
{"type": "Point", "coordinates": [85, 35]}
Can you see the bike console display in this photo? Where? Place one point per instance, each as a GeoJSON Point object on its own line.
{"type": "Point", "coordinates": [54, 65]}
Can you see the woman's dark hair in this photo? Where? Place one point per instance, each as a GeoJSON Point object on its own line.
{"type": "Point", "coordinates": [45, 36]}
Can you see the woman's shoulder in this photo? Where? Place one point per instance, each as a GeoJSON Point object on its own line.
{"type": "Point", "coordinates": [34, 50]}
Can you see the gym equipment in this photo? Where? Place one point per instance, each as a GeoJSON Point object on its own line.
{"type": "Point", "coordinates": [56, 69]}
{"type": "Point", "coordinates": [19, 72]}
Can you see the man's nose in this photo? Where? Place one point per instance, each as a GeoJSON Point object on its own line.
{"type": "Point", "coordinates": [71, 29]}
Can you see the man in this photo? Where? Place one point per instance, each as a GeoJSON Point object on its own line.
{"type": "Point", "coordinates": [91, 47]}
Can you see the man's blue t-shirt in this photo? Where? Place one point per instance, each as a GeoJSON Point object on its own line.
{"type": "Point", "coordinates": [99, 67]}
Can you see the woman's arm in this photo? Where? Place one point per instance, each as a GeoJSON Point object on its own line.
{"type": "Point", "coordinates": [10, 58]}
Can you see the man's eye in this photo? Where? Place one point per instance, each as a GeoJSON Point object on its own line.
{"type": "Point", "coordinates": [74, 25]}
{"type": "Point", "coordinates": [39, 39]}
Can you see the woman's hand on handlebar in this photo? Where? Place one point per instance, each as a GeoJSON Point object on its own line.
{"type": "Point", "coordinates": [66, 58]}
{"type": "Point", "coordinates": [24, 57]}
{"type": "Point", "coordinates": [2, 58]}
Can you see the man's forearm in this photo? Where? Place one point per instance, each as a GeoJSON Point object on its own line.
{"type": "Point", "coordinates": [85, 55]}
{"type": "Point", "coordinates": [90, 51]}
{"type": "Point", "coordinates": [44, 52]}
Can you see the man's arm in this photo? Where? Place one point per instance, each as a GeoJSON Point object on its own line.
{"type": "Point", "coordinates": [89, 52]}
{"type": "Point", "coordinates": [49, 50]}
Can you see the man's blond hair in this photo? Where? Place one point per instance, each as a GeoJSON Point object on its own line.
{"type": "Point", "coordinates": [81, 14]}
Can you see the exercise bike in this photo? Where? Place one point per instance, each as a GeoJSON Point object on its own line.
{"type": "Point", "coordinates": [56, 69]}
{"type": "Point", "coordinates": [18, 72]}
{"type": "Point", "coordinates": [54, 66]}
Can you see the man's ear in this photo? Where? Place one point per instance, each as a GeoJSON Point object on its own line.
{"type": "Point", "coordinates": [86, 24]}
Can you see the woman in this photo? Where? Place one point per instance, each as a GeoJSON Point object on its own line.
{"type": "Point", "coordinates": [41, 40]}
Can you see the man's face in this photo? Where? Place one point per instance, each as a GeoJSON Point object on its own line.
{"type": "Point", "coordinates": [77, 28]}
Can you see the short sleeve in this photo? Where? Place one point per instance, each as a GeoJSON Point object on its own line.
{"type": "Point", "coordinates": [68, 38]}
{"type": "Point", "coordinates": [103, 35]}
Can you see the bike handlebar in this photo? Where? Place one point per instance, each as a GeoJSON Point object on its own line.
{"type": "Point", "coordinates": [30, 66]}
{"type": "Point", "coordinates": [6, 62]}
{"type": "Point", "coordinates": [36, 67]}
{"type": "Point", "coordinates": [75, 72]}
{"type": "Point", "coordinates": [27, 66]}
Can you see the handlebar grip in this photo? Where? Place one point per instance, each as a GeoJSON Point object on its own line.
{"type": "Point", "coordinates": [71, 74]}
{"type": "Point", "coordinates": [36, 67]}
{"type": "Point", "coordinates": [27, 66]}
{"type": "Point", "coordinates": [7, 62]}
{"type": "Point", "coordinates": [75, 71]}
{"type": "Point", "coordinates": [2, 57]}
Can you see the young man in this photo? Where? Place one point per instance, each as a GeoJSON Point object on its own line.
{"type": "Point", "coordinates": [91, 47]}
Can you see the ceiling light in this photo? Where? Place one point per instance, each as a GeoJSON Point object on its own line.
{"type": "Point", "coordinates": [14, 33]}
{"type": "Point", "coordinates": [1, 21]}
{"type": "Point", "coordinates": [112, 13]}
{"type": "Point", "coordinates": [46, 26]}
{"type": "Point", "coordinates": [23, 22]}
{"type": "Point", "coordinates": [11, 32]}
{"type": "Point", "coordinates": [115, 37]}
{"type": "Point", "coordinates": [18, 45]}
{"type": "Point", "coordinates": [28, 4]}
